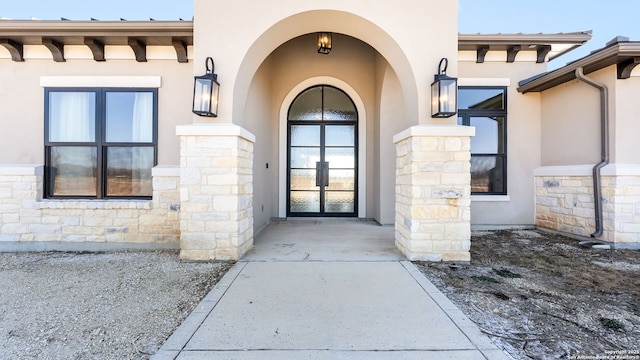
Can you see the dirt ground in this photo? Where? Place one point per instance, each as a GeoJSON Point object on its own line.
{"type": "Point", "coordinates": [96, 305]}
{"type": "Point", "coordinates": [543, 296]}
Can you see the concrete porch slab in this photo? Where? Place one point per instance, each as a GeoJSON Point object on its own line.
{"type": "Point", "coordinates": [324, 239]}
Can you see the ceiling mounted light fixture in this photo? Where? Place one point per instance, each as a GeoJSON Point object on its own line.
{"type": "Point", "coordinates": [324, 42]}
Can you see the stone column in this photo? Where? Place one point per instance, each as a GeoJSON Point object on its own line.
{"type": "Point", "coordinates": [433, 192]}
{"type": "Point", "coordinates": [216, 191]}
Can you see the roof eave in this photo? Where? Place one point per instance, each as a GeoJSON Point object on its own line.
{"type": "Point", "coordinates": [608, 56]}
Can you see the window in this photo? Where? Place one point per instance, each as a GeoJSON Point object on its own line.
{"type": "Point", "coordinates": [485, 108]}
{"type": "Point", "coordinates": [100, 143]}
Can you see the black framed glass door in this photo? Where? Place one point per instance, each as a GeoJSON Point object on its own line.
{"type": "Point", "coordinates": [322, 154]}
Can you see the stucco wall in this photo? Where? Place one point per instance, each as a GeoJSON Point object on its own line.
{"type": "Point", "coordinates": [571, 124]}
{"type": "Point", "coordinates": [265, 27]}
{"type": "Point", "coordinates": [523, 143]}
{"type": "Point", "coordinates": [627, 120]}
{"type": "Point", "coordinates": [261, 122]}
{"type": "Point", "coordinates": [22, 102]}
{"type": "Point", "coordinates": [390, 122]}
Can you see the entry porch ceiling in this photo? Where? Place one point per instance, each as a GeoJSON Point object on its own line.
{"type": "Point", "coordinates": [14, 34]}
{"type": "Point", "coordinates": [545, 45]}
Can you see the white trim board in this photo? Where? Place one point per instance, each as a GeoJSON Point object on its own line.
{"type": "Point", "coordinates": [102, 81]}
{"type": "Point", "coordinates": [484, 82]}
{"type": "Point", "coordinates": [587, 170]}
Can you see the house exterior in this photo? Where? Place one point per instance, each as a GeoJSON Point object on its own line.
{"type": "Point", "coordinates": [99, 148]}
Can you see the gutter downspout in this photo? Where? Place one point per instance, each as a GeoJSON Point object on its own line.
{"type": "Point", "coordinates": [604, 143]}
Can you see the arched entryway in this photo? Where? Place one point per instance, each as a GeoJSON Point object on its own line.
{"type": "Point", "coordinates": [322, 153]}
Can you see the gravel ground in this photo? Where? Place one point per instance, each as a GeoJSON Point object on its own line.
{"type": "Point", "coordinates": [96, 305]}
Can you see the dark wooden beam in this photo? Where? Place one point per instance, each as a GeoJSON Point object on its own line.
{"type": "Point", "coordinates": [512, 51]}
{"type": "Point", "coordinates": [139, 48]}
{"type": "Point", "coordinates": [181, 50]}
{"type": "Point", "coordinates": [543, 51]}
{"type": "Point", "coordinates": [625, 68]}
{"type": "Point", "coordinates": [15, 48]}
{"type": "Point", "coordinates": [481, 51]}
{"type": "Point", "coordinates": [97, 48]}
{"type": "Point", "coordinates": [56, 48]}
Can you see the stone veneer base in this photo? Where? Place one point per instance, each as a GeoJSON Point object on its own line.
{"type": "Point", "coordinates": [433, 192]}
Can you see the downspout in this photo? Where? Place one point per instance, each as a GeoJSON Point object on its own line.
{"type": "Point", "coordinates": [604, 144]}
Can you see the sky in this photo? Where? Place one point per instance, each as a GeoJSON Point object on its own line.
{"type": "Point", "coordinates": [606, 18]}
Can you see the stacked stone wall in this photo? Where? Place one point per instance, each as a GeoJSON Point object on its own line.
{"type": "Point", "coordinates": [565, 203]}
{"type": "Point", "coordinates": [216, 180]}
{"type": "Point", "coordinates": [27, 217]}
{"type": "Point", "coordinates": [433, 195]}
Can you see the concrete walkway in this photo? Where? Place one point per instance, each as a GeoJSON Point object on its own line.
{"type": "Point", "coordinates": [326, 289]}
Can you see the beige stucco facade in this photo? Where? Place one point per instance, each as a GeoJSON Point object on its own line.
{"type": "Point", "coordinates": [219, 181]}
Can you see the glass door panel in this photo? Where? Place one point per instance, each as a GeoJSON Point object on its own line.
{"type": "Point", "coordinates": [322, 155]}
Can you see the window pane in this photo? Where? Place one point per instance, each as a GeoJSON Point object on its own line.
{"type": "Point", "coordinates": [340, 158]}
{"type": "Point", "coordinates": [304, 158]}
{"type": "Point", "coordinates": [72, 116]}
{"type": "Point", "coordinates": [487, 174]}
{"type": "Point", "coordinates": [129, 117]}
{"type": "Point", "coordinates": [338, 106]}
{"type": "Point", "coordinates": [303, 180]}
{"type": "Point", "coordinates": [305, 135]}
{"type": "Point", "coordinates": [339, 202]}
{"type": "Point", "coordinates": [305, 201]}
{"type": "Point", "coordinates": [129, 171]}
{"type": "Point", "coordinates": [340, 135]}
{"type": "Point", "coordinates": [73, 171]}
{"type": "Point", "coordinates": [308, 105]}
{"type": "Point", "coordinates": [481, 99]}
{"type": "Point", "coordinates": [489, 135]}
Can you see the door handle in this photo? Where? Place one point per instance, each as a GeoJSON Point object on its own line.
{"type": "Point", "coordinates": [318, 174]}
{"type": "Point", "coordinates": [325, 174]}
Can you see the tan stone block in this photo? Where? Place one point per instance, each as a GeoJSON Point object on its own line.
{"type": "Point", "coordinates": [195, 255]}
{"type": "Point", "coordinates": [441, 246]}
{"type": "Point", "coordinates": [456, 256]}
{"type": "Point", "coordinates": [456, 178]}
{"type": "Point", "coordinates": [452, 144]}
{"type": "Point", "coordinates": [419, 246]}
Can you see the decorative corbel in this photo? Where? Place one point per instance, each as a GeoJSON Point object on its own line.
{"type": "Point", "coordinates": [542, 51]}
{"type": "Point", "coordinates": [181, 50]}
{"type": "Point", "coordinates": [139, 49]}
{"type": "Point", "coordinates": [96, 47]}
{"type": "Point", "coordinates": [481, 51]}
{"type": "Point", "coordinates": [625, 68]}
{"type": "Point", "coordinates": [512, 51]}
{"type": "Point", "coordinates": [56, 48]}
{"type": "Point", "coordinates": [15, 48]}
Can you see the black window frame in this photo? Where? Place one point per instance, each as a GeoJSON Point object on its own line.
{"type": "Point", "coordinates": [100, 142]}
{"type": "Point", "coordinates": [464, 118]}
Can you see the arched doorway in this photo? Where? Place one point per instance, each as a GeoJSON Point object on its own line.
{"type": "Point", "coordinates": [322, 154]}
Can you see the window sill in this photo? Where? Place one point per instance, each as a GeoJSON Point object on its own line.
{"type": "Point", "coordinates": [490, 198]}
{"type": "Point", "coordinates": [94, 204]}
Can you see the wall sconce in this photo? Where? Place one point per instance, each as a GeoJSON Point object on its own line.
{"type": "Point", "coordinates": [205, 92]}
{"type": "Point", "coordinates": [324, 43]}
{"type": "Point", "coordinates": [444, 93]}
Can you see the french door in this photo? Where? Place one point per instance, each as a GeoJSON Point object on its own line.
{"type": "Point", "coordinates": [322, 154]}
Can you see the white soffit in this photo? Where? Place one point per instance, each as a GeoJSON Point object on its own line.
{"type": "Point", "coordinates": [484, 82]}
{"type": "Point", "coordinates": [101, 81]}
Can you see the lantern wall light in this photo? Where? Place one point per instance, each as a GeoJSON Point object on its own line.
{"type": "Point", "coordinates": [205, 91]}
{"type": "Point", "coordinates": [324, 42]}
{"type": "Point", "coordinates": [444, 93]}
